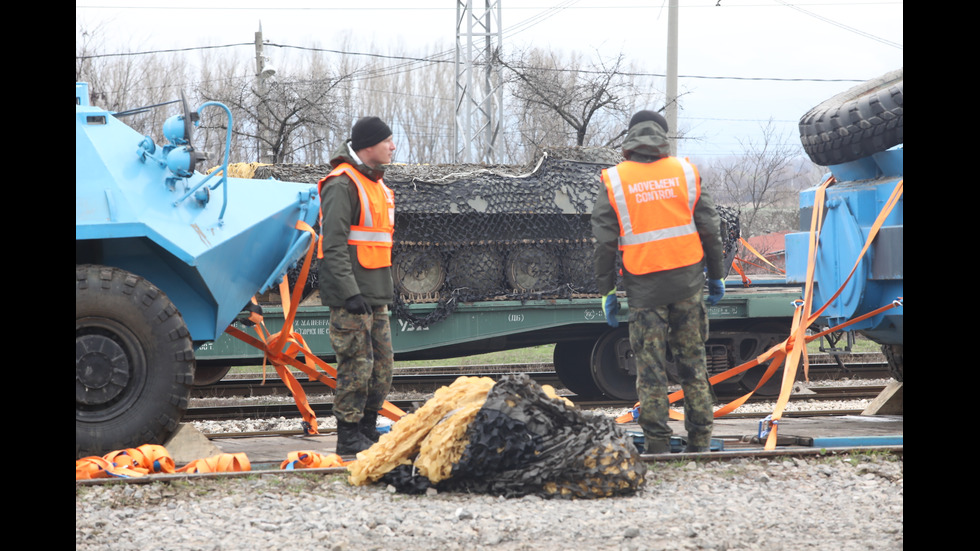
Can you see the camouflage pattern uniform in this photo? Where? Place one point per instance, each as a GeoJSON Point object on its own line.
{"type": "Point", "coordinates": [683, 326]}
{"type": "Point", "coordinates": [666, 307]}
{"type": "Point", "coordinates": [362, 343]}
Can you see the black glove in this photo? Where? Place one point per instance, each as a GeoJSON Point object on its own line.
{"type": "Point", "coordinates": [357, 305]}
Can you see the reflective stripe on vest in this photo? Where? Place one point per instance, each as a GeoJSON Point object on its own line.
{"type": "Point", "coordinates": [373, 234]}
{"type": "Point", "coordinates": [655, 205]}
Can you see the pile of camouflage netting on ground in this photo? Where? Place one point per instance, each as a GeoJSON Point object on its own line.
{"type": "Point", "coordinates": [510, 438]}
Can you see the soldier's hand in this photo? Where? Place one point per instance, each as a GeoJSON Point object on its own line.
{"type": "Point", "coordinates": [610, 307]}
{"type": "Point", "coordinates": [357, 305]}
{"type": "Point", "coordinates": [716, 290]}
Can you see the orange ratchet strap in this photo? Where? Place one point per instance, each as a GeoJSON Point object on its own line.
{"type": "Point", "coordinates": [793, 348]}
{"type": "Point", "coordinates": [282, 348]}
{"type": "Point", "coordinates": [222, 463]}
{"type": "Point", "coordinates": [311, 460]}
{"type": "Point", "coordinates": [127, 463]}
{"type": "Point", "coordinates": [803, 317]}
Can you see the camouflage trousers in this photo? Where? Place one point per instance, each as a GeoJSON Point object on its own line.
{"type": "Point", "coordinates": [362, 344]}
{"type": "Point", "coordinates": [683, 326]}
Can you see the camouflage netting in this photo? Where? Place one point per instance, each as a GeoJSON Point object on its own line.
{"type": "Point", "coordinates": [518, 439]}
{"type": "Point", "coordinates": [474, 232]}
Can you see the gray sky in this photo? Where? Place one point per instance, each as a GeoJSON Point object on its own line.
{"type": "Point", "coordinates": [741, 63]}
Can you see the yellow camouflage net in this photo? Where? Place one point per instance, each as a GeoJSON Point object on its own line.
{"type": "Point", "coordinates": [449, 408]}
{"type": "Point", "coordinates": [511, 437]}
{"type": "Point", "coordinates": [240, 170]}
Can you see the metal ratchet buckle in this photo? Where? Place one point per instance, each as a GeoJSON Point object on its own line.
{"type": "Point", "coordinates": [767, 425]}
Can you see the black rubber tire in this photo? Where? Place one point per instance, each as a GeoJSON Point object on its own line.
{"type": "Point", "coordinates": [859, 122]}
{"type": "Point", "coordinates": [573, 365]}
{"type": "Point", "coordinates": [895, 355]}
{"type": "Point", "coordinates": [134, 362]}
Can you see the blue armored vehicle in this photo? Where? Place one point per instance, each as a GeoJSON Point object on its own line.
{"type": "Point", "coordinates": [165, 259]}
{"type": "Point", "coordinates": [858, 136]}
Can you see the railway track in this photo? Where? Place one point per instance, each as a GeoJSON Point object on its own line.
{"type": "Point", "coordinates": [429, 379]}
{"type": "Point", "coordinates": [323, 408]}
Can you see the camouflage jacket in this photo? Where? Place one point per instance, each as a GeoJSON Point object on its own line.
{"type": "Point", "coordinates": [340, 276]}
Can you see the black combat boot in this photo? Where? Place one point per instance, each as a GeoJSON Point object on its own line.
{"type": "Point", "coordinates": [350, 441]}
{"type": "Point", "coordinates": [369, 426]}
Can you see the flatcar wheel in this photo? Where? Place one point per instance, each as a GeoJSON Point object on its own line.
{"type": "Point", "coordinates": [418, 272]}
{"type": "Point", "coordinates": [614, 365]}
{"type": "Point", "coordinates": [134, 362]}
{"type": "Point", "coordinates": [574, 368]}
{"type": "Point", "coordinates": [532, 269]}
{"type": "Point", "coordinates": [762, 337]}
{"type": "Point", "coordinates": [205, 375]}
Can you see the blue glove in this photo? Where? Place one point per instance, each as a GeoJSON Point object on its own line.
{"type": "Point", "coordinates": [716, 290]}
{"type": "Point", "coordinates": [610, 307]}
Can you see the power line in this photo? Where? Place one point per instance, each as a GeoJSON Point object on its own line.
{"type": "Point", "coordinates": [434, 59]}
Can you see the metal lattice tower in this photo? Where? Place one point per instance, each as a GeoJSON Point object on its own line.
{"type": "Point", "coordinates": [479, 82]}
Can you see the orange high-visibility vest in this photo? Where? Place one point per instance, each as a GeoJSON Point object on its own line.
{"type": "Point", "coordinates": [372, 235]}
{"type": "Point", "coordinates": [655, 205]}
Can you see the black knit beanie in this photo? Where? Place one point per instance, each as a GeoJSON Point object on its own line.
{"type": "Point", "coordinates": [643, 116]}
{"type": "Point", "coordinates": [368, 131]}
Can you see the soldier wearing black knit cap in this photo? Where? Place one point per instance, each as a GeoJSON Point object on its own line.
{"type": "Point", "coordinates": [358, 214]}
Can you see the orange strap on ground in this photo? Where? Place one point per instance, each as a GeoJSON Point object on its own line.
{"type": "Point", "coordinates": [148, 458]}
{"type": "Point", "coordinates": [311, 460]}
{"type": "Point", "coordinates": [223, 463]}
{"type": "Point", "coordinates": [97, 467]}
{"type": "Point", "coordinates": [127, 463]}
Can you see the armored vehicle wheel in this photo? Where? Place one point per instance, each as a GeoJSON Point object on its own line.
{"type": "Point", "coordinates": [614, 365]}
{"type": "Point", "coordinates": [476, 272]}
{"type": "Point", "coordinates": [577, 267]}
{"type": "Point", "coordinates": [134, 362]}
{"type": "Point", "coordinates": [574, 368]}
{"type": "Point", "coordinates": [532, 269]}
{"type": "Point", "coordinates": [418, 272]}
{"type": "Point", "coordinates": [861, 121]}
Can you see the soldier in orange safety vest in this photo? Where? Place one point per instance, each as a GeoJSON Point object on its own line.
{"type": "Point", "coordinates": [655, 213]}
{"type": "Point", "coordinates": [354, 277]}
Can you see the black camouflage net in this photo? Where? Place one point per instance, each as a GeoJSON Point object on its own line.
{"type": "Point", "coordinates": [473, 232]}
{"type": "Point", "coordinates": [524, 442]}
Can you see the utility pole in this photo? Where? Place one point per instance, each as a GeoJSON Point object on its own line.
{"type": "Point", "coordinates": [263, 72]}
{"type": "Point", "coordinates": [479, 82]}
{"type": "Point", "coordinates": [671, 111]}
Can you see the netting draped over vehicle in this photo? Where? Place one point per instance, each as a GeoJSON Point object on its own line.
{"type": "Point", "coordinates": [473, 232]}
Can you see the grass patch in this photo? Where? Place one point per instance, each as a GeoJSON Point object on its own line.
{"type": "Point", "coordinates": [535, 354]}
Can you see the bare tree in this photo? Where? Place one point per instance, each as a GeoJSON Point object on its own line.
{"type": "Point", "coordinates": [763, 183]}
{"type": "Point", "coordinates": [570, 101]}
{"type": "Point", "coordinates": [137, 87]}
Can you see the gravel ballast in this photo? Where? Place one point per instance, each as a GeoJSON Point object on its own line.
{"type": "Point", "coordinates": [827, 502]}
{"type": "Point", "coordinates": [833, 502]}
